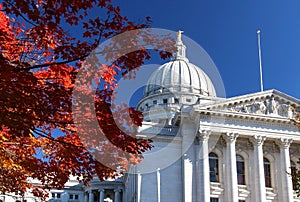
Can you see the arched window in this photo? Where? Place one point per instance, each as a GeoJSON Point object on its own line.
{"type": "Point", "coordinates": [293, 172]}
{"type": "Point", "coordinates": [240, 168]}
{"type": "Point", "coordinates": [213, 167]}
{"type": "Point", "coordinates": [267, 169]}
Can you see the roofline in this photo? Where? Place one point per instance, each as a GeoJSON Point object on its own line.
{"type": "Point", "coordinates": [255, 96]}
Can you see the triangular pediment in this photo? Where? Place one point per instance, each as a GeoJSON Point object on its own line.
{"type": "Point", "coordinates": [271, 103]}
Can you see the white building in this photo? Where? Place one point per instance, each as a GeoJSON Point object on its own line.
{"type": "Point", "coordinates": [207, 149]}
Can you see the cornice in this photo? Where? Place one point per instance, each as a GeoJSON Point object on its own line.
{"type": "Point", "coordinates": [246, 116]}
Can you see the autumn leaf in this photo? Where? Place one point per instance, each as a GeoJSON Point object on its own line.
{"type": "Point", "coordinates": [43, 46]}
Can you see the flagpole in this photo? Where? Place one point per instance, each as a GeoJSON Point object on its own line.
{"type": "Point", "coordinates": [260, 61]}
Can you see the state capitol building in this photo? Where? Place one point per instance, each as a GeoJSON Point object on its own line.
{"type": "Point", "coordinates": [206, 148]}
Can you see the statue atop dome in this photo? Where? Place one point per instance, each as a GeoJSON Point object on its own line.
{"type": "Point", "coordinates": [180, 54]}
{"type": "Point", "coordinates": [179, 35]}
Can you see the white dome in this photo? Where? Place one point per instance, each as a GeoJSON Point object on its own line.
{"type": "Point", "coordinates": [173, 85]}
{"type": "Point", "coordinates": [179, 76]}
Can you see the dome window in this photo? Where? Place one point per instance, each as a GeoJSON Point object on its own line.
{"type": "Point", "coordinates": [154, 102]}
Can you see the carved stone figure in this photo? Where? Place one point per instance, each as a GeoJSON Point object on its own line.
{"type": "Point", "coordinates": [291, 114]}
{"type": "Point", "coordinates": [283, 110]}
{"type": "Point", "coordinates": [262, 108]}
{"type": "Point", "coordinates": [274, 106]}
{"type": "Point", "coordinates": [252, 108]}
{"type": "Point", "coordinates": [268, 107]}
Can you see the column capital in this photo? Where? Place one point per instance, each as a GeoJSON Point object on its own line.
{"type": "Point", "coordinates": [284, 142]}
{"type": "Point", "coordinates": [101, 189]}
{"type": "Point", "coordinates": [258, 140]}
{"type": "Point", "coordinates": [231, 137]}
{"type": "Point", "coordinates": [204, 134]}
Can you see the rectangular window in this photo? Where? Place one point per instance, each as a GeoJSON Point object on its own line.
{"type": "Point", "coordinates": [214, 200]}
{"type": "Point", "coordinates": [213, 167]}
{"type": "Point", "coordinates": [76, 196]}
{"type": "Point", "coordinates": [267, 169]}
{"type": "Point", "coordinates": [176, 100]}
{"type": "Point", "coordinates": [240, 175]}
{"type": "Point", "coordinates": [56, 195]}
{"type": "Point", "coordinates": [240, 168]}
{"type": "Point", "coordinates": [71, 196]}
{"type": "Point", "coordinates": [165, 101]}
{"type": "Point", "coordinates": [154, 102]}
{"type": "Point", "coordinates": [188, 100]}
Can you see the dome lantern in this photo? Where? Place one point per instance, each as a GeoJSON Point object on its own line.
{"type": "Point", "coordinates": [180, 54]}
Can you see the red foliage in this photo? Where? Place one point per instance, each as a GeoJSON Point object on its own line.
{"type": "Point", "coordinates": [40, 59]}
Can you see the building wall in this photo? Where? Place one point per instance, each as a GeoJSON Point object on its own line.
{"type": "Point", "coordinates": [179, 179]}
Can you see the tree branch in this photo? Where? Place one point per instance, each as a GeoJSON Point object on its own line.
{"type": "Point", "coordinates": [42, 134]}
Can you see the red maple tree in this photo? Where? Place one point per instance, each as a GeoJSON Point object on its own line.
{"type": "Point", "coordinates": [43, 46]}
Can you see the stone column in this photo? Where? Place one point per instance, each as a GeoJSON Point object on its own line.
{"type": "Point", "coordinates": [287, 184]}
{"type": "Point", "coordinates": [102, 193]}
{"type": "Point", "coordinates": [187, 178]}
{"type": "Point", "coordinates": [158, 184]}
{"type": "Point", "coordinates": [91, 196]}
{"type": "Point", "coordinates": [86, 198]}
{"type": "Point", "coordinates": [139, 182]}
{"type": "Point", "coordinates": [202, 166]}
{"type": "Point", "coordinates": [232, 185]}
{"type": "Point", "coordinates": [259, 180]}
{"type": "Point", "coordinates": [117, 195]}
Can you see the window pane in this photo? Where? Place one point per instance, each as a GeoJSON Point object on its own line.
{"type": "Point", "coordinates": [71, 196]}
{"type": "Point", "coordinates": [267, 169]}
{"type": "Point", "coordinates": [213, 167]}
{"type": "Point", "coordinates": [240, 168]}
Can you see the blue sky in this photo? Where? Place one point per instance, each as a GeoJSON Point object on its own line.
{"type": "Point", "coordinates": [227, 31]}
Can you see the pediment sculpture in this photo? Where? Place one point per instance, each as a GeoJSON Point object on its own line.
{"type": "Point", "coordinates": [270, 106]}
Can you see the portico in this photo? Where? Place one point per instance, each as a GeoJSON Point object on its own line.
{"type": "Point", "coordinates": [103, 194]}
